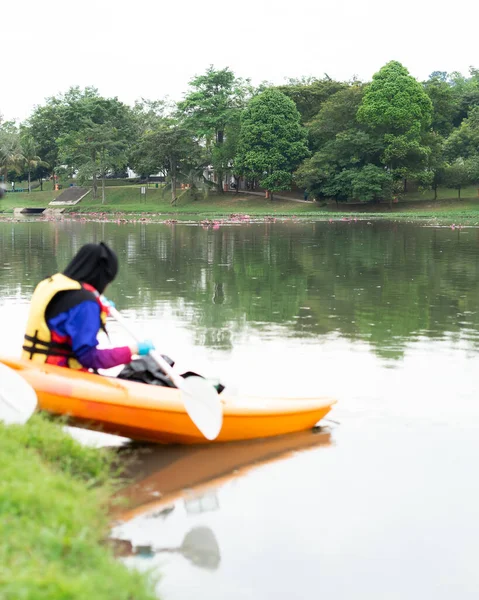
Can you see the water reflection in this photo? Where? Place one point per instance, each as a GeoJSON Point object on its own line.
{"type": "Point", "coordinates": [157, 498]}
{"type": "Point", "coordinates": [386, 284]}
{"type": "Point", "coordinates": [371, 518]}
{"type": "Point", "coordinates": [199, 546]}
{"type": "Point", "coordinates": [384, 317]}
{"type": "Point", "coordinates": [160, 474]}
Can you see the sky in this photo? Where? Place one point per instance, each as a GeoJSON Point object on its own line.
{"type": "Point", "coordinates": [152, 49]}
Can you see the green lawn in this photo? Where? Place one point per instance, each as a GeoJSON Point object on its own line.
{"type": "Point", "coordinates": [444, 193]}
{"type": "Point", "coordinates": [127, 199]}
{"type": "Point", "coordinates": [54, 495]}
{"type": "Point", "coordinates": [34, 199]}
{"type": "Point", "coordinates": [35, 184]}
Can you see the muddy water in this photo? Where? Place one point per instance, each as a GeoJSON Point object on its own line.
{"type": "Point", "coordinates": [383, 501]}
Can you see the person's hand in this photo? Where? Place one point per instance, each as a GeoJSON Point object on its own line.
{"type": "Point", "coordinates": [145, 347]}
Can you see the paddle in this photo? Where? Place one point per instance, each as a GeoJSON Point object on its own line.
{"type": "Point", "coordinates": [199, 397]}
{"type": "Point", "coordinates": [18, 399]}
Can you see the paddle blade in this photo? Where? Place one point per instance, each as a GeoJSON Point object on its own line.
{"type": "Point", "coordinates": [203, 405]}
{"type": "Point", "coordinates": [18, 399]}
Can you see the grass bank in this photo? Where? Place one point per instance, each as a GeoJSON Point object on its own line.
{"type": "Point", "coordinates": [54, 495]}
{"type": "Point", "coordinates": [127, 200]}
{"type": "Point", "coordinates": [34, 199]}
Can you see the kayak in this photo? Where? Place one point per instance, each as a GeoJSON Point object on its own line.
{"type": "Point", "coordinates": [156, 414]}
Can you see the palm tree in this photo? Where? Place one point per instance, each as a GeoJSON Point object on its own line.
{"type": "Point", "coordinates": [29, 157]}
{"type": "Point", "coordinates": [10, 152]}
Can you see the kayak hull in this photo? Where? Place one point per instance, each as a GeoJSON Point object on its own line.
{"type": "Point", "coordinates": [156, 414]}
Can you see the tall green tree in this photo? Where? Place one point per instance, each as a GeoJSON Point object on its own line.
{"type": "Point", "coordinates": [60, 116]}
{"type": "Point", "coordinates": [466, 89]}
{"type": "Point", "coordinates": [346, 164]}
{"type": "Point", "coordinates": [97, 136]}
{"type": "Point", "coordinates": [464, 141]}
{"type": "Point", "coordinates": [272, 141]}
{"type": "Point", "coordinates": [445, 103]}
{"type": "Point", "coordinates": [348, 173]}
{"type": "Point", "coordinates": [46, 125]}
{"type": "Point", "coordinates": [211, 110]}
{"type": "Point", "coordinates": [396, 108]}
{"type": "Point", "coordinates": [309, 94]}
{"type": "Point", "coordinates": [166, 146]}
{"type": "Point", "coordinates": [337, 114]}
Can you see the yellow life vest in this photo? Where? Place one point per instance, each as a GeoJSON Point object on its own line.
{"type": "Point", "coordinates": [38, 344]}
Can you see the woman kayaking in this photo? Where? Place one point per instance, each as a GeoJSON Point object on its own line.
{"type": "Point", "coordinates": [67, 313]}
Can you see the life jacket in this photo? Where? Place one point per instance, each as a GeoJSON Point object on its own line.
{"type": "Point", "coordinates": [41, 345]}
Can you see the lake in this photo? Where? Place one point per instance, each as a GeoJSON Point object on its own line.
{"type": "Point", "coordinates": [382, 502]}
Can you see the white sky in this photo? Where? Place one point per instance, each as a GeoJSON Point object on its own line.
{"type": "Point", "coordinates": [152, 48]}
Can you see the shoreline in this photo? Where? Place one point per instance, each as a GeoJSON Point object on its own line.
{"type": "Point", "coordinates": [215, 219]}
{"type": "Point", "coordinates": [55, 503]}
{"type": "Point", "coordinates": [124, 203]}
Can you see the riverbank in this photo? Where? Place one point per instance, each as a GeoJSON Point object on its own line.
{"type": "Point", "coordinates": [53, 505]}
{"type": "Point", "coordinates": [127, 202]}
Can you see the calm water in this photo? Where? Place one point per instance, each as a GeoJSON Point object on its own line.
{"type": "Point", "coordinates": [383, 503]}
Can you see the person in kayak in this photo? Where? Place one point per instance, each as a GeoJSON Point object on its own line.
{"type": "Point", "coordinates": [67, 313]}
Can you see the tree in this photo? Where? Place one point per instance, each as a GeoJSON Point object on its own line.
{"type": "Point", "coordinates": [325, 179]}
{"type": "Point", "coordinates": [10, 150]}
{"type": "Point", "coordinates": [29, 150]}
{"type": "Point", "coordinates": [230, 149]}
{"type": "Point", "coordinates": [309, 95]}
{"type": "Point", "coordinates": [272, 141]}
{"type": "Point", "coordinates": [466, 90]}
{"type": "Point", "coordinates": [457, 175]}
{"type": "Point", "coordinates": [472, 168]}
{"type": "Point", "coordinates": [83, 132]}
{"type": "Point", "coordinates": [46, 125]}
{"type": "Point", "coordinates": [433, 174]}
{"type": "Point", "coordinates": [58, 117]}
{"type": "Point", "coordinates": [371, 183]}
{"type": "Point", "coordinates": [333, 170]}
{"type": "Point", "coordinates": [211, 108]}
{"type": "Point", "coordinates": [168, 147]}
{"type": "Point", "coordinates": [99, 140]}
{"type": "Point", "coordinates": [445, 103]}
{"type": "Point", "coordinates": [395, 103]}
{"type": "Point", "coordinates": [464, 141]}
{"type": "Point", "coordinates": [396, 107]}
{"type": "Point", "coordinates": [337, 114]}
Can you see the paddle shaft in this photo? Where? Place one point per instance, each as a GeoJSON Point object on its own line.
{"type": "Point", "coordinates": [161, 362]}
{"type": "Point", "coordinates": [200, 399]}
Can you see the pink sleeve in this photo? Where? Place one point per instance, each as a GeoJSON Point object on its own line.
{"type": "Point", "coordinates": [105, 359]}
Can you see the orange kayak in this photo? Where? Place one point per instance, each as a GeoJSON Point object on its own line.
{"type": "Point", "coordinates": [156, 414]}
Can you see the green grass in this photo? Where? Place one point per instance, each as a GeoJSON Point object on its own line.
{"type": "Point", "coordinates": [469, 192]}
{"type": "Point", "coordinates": [35, 185]}
{"type": "Point", "coordinates": [128, 200]}
{"type": "Point", "coordinates": [54, 495]}
{"type": "Point", "coordinates": [34, 199]}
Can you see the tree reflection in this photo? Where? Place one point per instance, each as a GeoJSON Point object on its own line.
{"type": "Point", "coordinates": [385, 283]}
